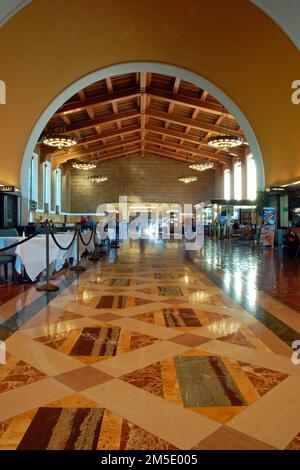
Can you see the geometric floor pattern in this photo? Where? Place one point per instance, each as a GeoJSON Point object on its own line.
{"type": "Point", "coordinates": [143, 351]}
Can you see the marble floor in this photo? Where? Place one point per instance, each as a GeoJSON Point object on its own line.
{"type": "Point", "coordinates": [149, 349]}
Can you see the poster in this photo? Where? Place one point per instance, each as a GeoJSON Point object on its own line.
{"type": "Point", "coordinates": [267, 235]}
{"type": "Point", "coordinates": [268, 216]}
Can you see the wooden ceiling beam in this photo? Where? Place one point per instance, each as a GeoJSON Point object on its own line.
{"type": "Point", "coordinates": [97, 101]}
{"type": "Point", "coordinates": [143, 102]}
{"type": "Point", "coordinates": [185, 137]}
{"type": "Point", "coordinates": [104, 120]}
{"type": "Point", "coordinates": [193, 151]}
{"type": "Point", "coordinates": [190, 102]}
{"type": "Point", "coordinates": [68, 165]}
{"type": "Point", "coordinates": [192, 123]}
{"type": "Point", "coordinates": [102, 137]}
{"type": "Point", "coordinates": [101, 148]}
{"type": "Point", "coordinates": [212, 108]}
{"type": "Point", "coordinates": [174, 156]}
{"type": "Point", "coordinates": [116, 153]}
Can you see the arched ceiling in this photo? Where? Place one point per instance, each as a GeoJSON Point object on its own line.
{"type": "Point", "coordinates": [286, 13]}
{"type": "Point", "coordinates": [143, 113]}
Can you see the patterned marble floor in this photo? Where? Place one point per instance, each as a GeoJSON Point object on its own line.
{"type": "Point", "coordinates": [144, 351]}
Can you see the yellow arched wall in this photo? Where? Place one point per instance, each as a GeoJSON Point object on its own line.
{"type": "Point", "coordinates": [51, 43]}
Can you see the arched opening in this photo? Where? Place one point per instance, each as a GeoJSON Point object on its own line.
{"type": "Point", "coordinates": [138, 68]}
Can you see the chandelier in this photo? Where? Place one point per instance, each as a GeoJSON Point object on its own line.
{"type": "Point", "coordinates": [201, 166]}
{"type": "Point", "coordinates": [83, 166]}
{"type": "Point", "coordinates": [98, 179]}
{"type": "Point", "coordinates": [59, 141]}
{"type": "Point", "coordinates": [225, 142]}
{"type": "Point", "coordinates": [187, 179]}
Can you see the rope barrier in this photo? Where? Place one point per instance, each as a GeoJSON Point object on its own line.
{"type": "Point", "coordinates": [9, 247]}
{"type": "Point", "coordinates": [95, 256]}
{"type": "Point", "coordinates": [81, 238]}
{"type": "Point", "coordinates": [47, 286]}
{"type": "Point", "coordinates": [59, 245]}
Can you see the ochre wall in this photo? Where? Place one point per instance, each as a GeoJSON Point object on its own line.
{"type": "Point", "coordinates": [147, 179]}
{"type": "Point", "coordinates": [51, 43]}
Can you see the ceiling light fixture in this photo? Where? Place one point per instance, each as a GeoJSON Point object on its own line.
{"type": "Point", "coordinates": [203, 166]}
{"type": "Point", "coordinates": [187, 179]}
{"type": "Point", "coordinates": [225, 142]}
{"type": "Point", "coordinates": [59, 141]}
{"type": "Point", "coordinates": [98, 179]}
{"type": "Point", "coordinates": [83, 166]}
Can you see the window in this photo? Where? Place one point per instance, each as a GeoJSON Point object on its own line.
{"type": "Point", "coordinates": [251, 178]}
{"type": "Point", "coordinates": [47, 186]}
{"type": "Point", "coordinates": [58, 189]}
{"type": "Point", "coordinates": [33, 178]}
{"type": "Point", "coordinates": [238, 181]}
{"type": "Point", "coordinates": [227, 183]}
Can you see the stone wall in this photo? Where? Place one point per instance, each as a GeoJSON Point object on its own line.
{"type": "Point", "coordinates": [142, 179]}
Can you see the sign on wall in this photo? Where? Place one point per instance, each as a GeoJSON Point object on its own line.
{"type": "Point", "coordinates": [7, 189]}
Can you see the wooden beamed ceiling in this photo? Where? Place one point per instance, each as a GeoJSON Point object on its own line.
{"type": "Point", "coordinates": [144, 113]}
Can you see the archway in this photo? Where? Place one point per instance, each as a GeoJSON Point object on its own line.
{"type": "Point", "coordinates": [138, 67]}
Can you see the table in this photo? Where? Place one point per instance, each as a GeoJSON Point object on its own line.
{"type": "Point", "coordinates": [32, 254]}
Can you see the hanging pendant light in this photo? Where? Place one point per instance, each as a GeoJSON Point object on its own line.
{"type": "Point", "coordinates": [97, 179]}
{"type": "Point", "coordinates": [57, 138]}
{"type": "Point", "coordinates": [187, 179]}
{"type": "Point", "coordinates": [59, 141]}
{"type": "Point", "coordinates": [201, 166]}
{"type": "Point", "coordinates": [84, 166]}
{"type": "Point", "coordinates": [224, 142]}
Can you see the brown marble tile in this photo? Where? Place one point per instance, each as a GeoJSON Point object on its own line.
{"type": "Point", "coordinates": [188, 339]}
{"type": "Point", "coordinates": [226, 438]}
{"type": "Point", "coordinates": [263, 379]}
{"type": "Point", "coordinates": [106, 317]}
{"type": "Point", "coordinates": [83, 378]}
{"type": "Point", "coordinates": [147, 317]}
{"type": "Point", "coordinates": [16, 373]}
{"type": "Point", "coordinates": [149, 379]}
{"type": "Point", "coordinates": [139, 340]}
{"type": "Point", "coordinates": [295, 443]}
{"type": "Point", "coordinates": [133, 437]}
{"type": "Point", "coordinates": [63, 429]}
{"type": "Point", "coordinates": [237, 338]}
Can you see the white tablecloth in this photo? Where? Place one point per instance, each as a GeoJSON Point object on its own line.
{"type": "Point", "coordinates": [32, 254]}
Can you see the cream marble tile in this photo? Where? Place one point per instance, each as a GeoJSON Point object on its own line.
{"type": "Point", "coordinates": [261, 358]}
{"type": "Point", "coordinates": [181, 427]}
{"type": "Point", "coordinates": [137, 359]}
{"type": "Point", "coordinates": [44, 358]}
{"type": "Point", "coordinates": [19, 400]}
{"type": "Point", "coordinates": [49, 330]}
{"type": "Point", "coordinates": [214, 308]}
{"type": "Point", "coordinates": [146, 328]}
{"type": "Point", "coordinates": [47, 315]}
{"type": "Point", "coordinates": [275, 418]}
{"type": "Point", "coordinates": [221, 327]}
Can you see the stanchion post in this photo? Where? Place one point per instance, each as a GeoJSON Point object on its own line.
{"type": "Point", "coordinates": [77, 267]}
{"type": "Point", "coordinates": [94, 256]}
{"type": "Point", "coordinates": [47, 286]}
